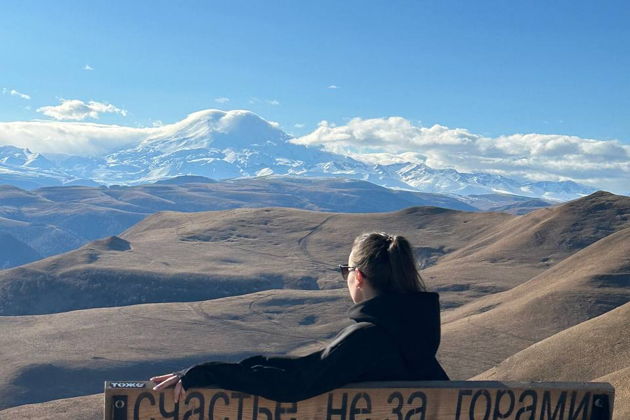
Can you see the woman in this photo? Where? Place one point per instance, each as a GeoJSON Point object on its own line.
{"type": "Point", "coordinates": [395, 335]}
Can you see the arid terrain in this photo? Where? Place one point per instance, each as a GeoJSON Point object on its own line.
{"type": "Point", "coordinates": [51, 220]}
{"type": "Point", "coordinates": [541, 296]}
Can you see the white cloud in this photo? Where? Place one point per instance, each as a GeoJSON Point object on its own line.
{"type": "Point", "coordinates": [222, 100]}
{"type": "Point", "coordinates": [91, 139]}
{"type": "Point", "coordinates": [298, 125]}
{"type": "Point", "coordinates": [254, 100]}
{"type": "Point", "coordinates": [81, 139]}
{"type": "Point", "coordinates": [527, 156]}
{"type": "Point", "coordinates": [77, 110]}
{"type": "Point", "coordinates": [333, 87]}
{"type": "Point", "coordinates": [601, 163]}
{"type": "Point", "coordinates": [20, 94]}
{"type": "Point", "coordinates": [157, 123]}
{"type": "Point", "coordinates": [87, 67]}
{"type": "Point", "coordinates": [14, 92]}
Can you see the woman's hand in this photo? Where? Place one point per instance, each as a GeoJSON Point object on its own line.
{"type": "Point", "coordinates": [164, 381]}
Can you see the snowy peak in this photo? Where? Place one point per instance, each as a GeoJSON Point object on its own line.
{"type": "Point", "coordinates": [428, 179]}
{"type": "Point", "coordinates": [229, 144]}
{"type": "Point", "coordinates": [11, 156]}
{"type": "Point", "coordinates": [558, 190]}
{"type": "Point", "coordinates": [214, 128]}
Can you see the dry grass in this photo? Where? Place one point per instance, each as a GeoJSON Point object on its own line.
{"type": "Point", "coordinates": [513, 285]}
{"type": "Point", "coordinates": [587, 284]}
{"type": "Point", "coordinates": [595, 350]}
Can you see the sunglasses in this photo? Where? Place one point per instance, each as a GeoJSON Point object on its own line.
{"type": "Point", "coordinates": [345, 270]}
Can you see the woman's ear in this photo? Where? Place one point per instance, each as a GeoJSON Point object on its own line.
{"type": "Point", "coordinates": [360, 278]}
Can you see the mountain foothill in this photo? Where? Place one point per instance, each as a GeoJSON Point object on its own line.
{"type": "Point", "coordinates": [541, 296]}
{"type": "Point", "coordinates": [51, 220]}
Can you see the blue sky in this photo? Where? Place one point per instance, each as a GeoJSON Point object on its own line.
{"type": "Point", "coordinates": [492, 67]}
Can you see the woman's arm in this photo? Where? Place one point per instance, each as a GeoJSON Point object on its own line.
{"type": "Point", "coordinates": [281, 362]}
{"type": "Point", "coordinates": [355, 352]}
{"type": "Point", "coordinates": [209, 373]}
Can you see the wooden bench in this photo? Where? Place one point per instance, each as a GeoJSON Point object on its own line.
{"type": "Point", "coordinates": [436, 400]}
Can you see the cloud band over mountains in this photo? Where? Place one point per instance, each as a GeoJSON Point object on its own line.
{"type": "Point", "coordinates": [599, 163]}
{"type": "Point", "coordinates": [73, 138]}
{"type": "Point", "coordinates": [602, 163]}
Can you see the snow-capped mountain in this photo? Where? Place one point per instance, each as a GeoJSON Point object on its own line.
{"type": "Point", "coordinates": [25, 169]}
{"type": "Point", "coordinates": [14, 156]}
{"type": "Point", "coordinates": [220, 145]}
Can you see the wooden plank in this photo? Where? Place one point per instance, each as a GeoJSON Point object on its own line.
{"type": "Point", "coordinates": [435, 400]}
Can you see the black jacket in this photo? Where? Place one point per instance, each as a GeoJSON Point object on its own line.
{"type": "Point", "coordinates": [395, 337]}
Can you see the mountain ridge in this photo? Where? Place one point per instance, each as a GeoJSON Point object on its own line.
{"type": "Point", "coordinates": [218, 252]}
{"type": "Point", "coordinates": [57, 219]}
{"type": "Point", "coordinates": [239, 143]}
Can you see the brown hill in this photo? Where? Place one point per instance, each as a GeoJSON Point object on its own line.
{"type": "Point", "coordinates": [595, 350]}
{"type": "Point", "coordinates": [14, 196]}
{"type": "Point", "coordinates": [587, 284]}
{"type": "Point", "coordinates": [525, 246]}
{"type": "Point", "coordinates": [41, 237]}
{"type": "Point", "coordinates": [621, 381]}
{"type": "Point", "coordinates": [192, 256]}
{"type": "Point", "coordinates": [584, 352]}
{"type": "Point", "coordinates": [169, 257]}
{"type": "Point", "coordinates": [64, 355]}
{"type": "Point", "coordinates": [89, 407]}
{"type": "Point", "coordinates": [195, 256]}
{"type": "Point", "coordinates": [15, 252]}
{"type": "Point", "coordinates": [63, 218]}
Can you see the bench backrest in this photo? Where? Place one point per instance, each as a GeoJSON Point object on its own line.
{"type": "Point", "coordinates": [435, 400]}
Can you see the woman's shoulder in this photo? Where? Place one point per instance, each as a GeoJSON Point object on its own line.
{"type": "Point", "coordinates": [360, 333]}
{"type": "Point", "coordinates": [361, 328]}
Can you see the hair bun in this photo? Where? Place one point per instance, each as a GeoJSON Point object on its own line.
{"type": "Point", "coordinates": [389, 238]}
